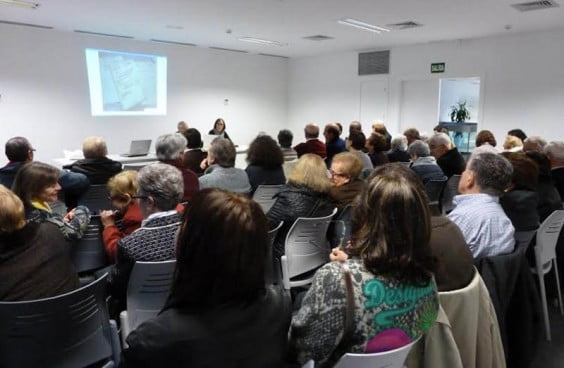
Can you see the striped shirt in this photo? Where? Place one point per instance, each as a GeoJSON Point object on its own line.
{"type": "Point", "coordinates": [485, 226]}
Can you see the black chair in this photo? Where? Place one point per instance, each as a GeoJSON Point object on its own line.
{"type": "Point", "coordinates": [88, 253]}
{"type": "Point", "coordinates": [449, 191]}
{"type": "Point", "coordinates": [434, 189]}
{"type": "Point", "coordinates": [67, 331]}
{"type": "Point", "coordinates": [96, 199]}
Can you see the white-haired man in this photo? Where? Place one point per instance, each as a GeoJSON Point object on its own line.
{"type": "Point", "coordinates": [448, 157]}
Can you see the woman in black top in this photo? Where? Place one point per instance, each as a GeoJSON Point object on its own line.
{"type": "Point", "coordinates": [219, 129]}
{"type": "Point", "coordinates": [265, 161]}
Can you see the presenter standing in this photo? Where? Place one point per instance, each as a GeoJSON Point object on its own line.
{"type": "Point", "coordinates": [219, 129]}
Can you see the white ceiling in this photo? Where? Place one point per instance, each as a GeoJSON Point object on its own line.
{"type": "Point", "coordinates": [205, 22]}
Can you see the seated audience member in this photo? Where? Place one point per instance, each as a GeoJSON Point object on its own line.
{"type": "Point", "coordinates": [34, 257]}
{"type": "Point", "coordinates": [159, 189]}
{"type": "Point", "coordinates": [448, 158]}
{"type": "Point", "coordinates": [549, 199]}
{"type": "Point", "coordinates": [355, 126]}
{"type": "Point", "coordinates": [265, 163]}
{"type": "Point", "coordinates": [219, 313]}
{"type": "Point", "coordinates": [340, 126]}
{"type": "Point", "coordinates": [334, 144]}
{"type": "Point", "coordinates": [534, 143]}
{"type": "Point", "coordinates": [36, 184]}
{"type": "Point", "coordinates": [412, 135]}
{"type": "Point", "coordinates": [312, 143]}
{"type": "Point", "coordinates": [555, 153]}
{"type": "Point", "coordinates": [355, 143]}
{"type": "Point", "coordinates": [181, 127]}
{"type": "Point", "coordinates": [221, 172]}
{"type": "Point", "coordinates": [95, 165]}
{"type": "Point", "coordinates": [194, 155]}
{"type": "Point", "coordinates": [486, 228]}
{"type": "Point", "coordinates": [512, 144]}
{"type": "Point", "coordinates": [440, 129]}
{"type": "Point", "coordinates": [345, 172]}
{"type": "Point", "coordinates": [398, 153]}
{"type": "Point", "coordinates": [521, 196]}
{"type": "Point", "coordinates": [518, 133]}
{"type": "Point", "coordinates": [424, 164]}
{"type": "Point", "coordinates": [395, 296]}
{"type": "Point", "coordinates": [380, 128]}
{"type": "Point", "coordinates": [305, 195]}
{"type": "Point", "coordinates": [485, 137]}
{"type": "Point", "coordinates": [170, 151]}
{"type": "Point", "coordinates": [285, 138]}
{"type": "Point", "coordinates": [122, 188]}
{"type": "Point", "coordinates": [19, 152]}
{"type": "Point", "coordinates": [377, 146]}
{"type": "Point", "coordinates": [219, 129]}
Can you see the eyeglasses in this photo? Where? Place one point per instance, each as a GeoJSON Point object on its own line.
{"type": "Point", "coordinates": [337, 174]}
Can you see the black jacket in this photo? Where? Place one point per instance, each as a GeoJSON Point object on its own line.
{"type": "Point", "coordinates": [8, 173]}
{"type": "Point", "coordinates": [520, 206]}
{"type": "Point", "coordinates": [259, 175]}
{"type": "Point", "coordinates": [398, 155]}
{"type": "Point", "coordinates": [230, 336]}
{"type": "Point", "coordinates": [452, 163]}
{"type": "Point", "coordinates": [98, 170]}
{"type": "Point", "coordinates": [293, 202]}
{"type": "Point", "coordinates": [558, 178]}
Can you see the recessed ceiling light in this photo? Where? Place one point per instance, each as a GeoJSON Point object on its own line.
{"type": "Point", "coordinates": [362, 25]}
{"type": "Point", "coordinates": [20, 3]}
{"type": "Point", "coordinates": [173, 26]}
{"type": "Point", "coordinates": [261, 41]}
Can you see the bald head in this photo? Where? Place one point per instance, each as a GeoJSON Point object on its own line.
{"type": "Point", "coordinates": [311, 131]}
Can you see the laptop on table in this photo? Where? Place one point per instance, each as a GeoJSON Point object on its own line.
{"type": "Point", "coordinates": [138, 148]}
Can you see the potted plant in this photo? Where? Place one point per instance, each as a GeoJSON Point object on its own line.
{"type": "Point", "coordinates": [459, 113]}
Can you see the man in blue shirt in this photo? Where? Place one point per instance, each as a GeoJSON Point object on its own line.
{"type": "Point", "coordinates": [485, 226]}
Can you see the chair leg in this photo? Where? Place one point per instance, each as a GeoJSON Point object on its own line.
{"type": "Point", "coordinates": [556, 273]}
{"type": "Point", "coordinates": [544, 305]}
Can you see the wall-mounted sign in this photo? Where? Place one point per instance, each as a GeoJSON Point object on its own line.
{"type": "Point", "coordinates": [437, 67]}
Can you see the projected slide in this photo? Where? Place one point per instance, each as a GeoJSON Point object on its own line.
{"type": "Point", "coordinates": [125, 83]}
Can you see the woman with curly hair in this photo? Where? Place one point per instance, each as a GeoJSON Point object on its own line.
{"type": "Point", "coordinates": [265, 161]}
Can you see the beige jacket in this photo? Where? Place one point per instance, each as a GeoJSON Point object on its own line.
{"type": "Point", "coordinates": [474, 325]}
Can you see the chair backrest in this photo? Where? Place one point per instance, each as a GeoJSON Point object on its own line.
{"type": "Point", "coordinates": [96, 198]}
{"type": "Point", "coordinates": [264, 196]}
{"type": "Point", "coordinates": [134, 167]}
{"type": "Point", "coordinates": [449, 191]}
{"type": "Point", "coordinates": [148, 289]}
{"type": "Point", "coordinates": [547, 237]}
{"type": "Point", "coordinates": [88, 252]}
{"type": "Point", "coordinates": [434, 188]}
{"type": "Point", "coordinates": [387, 359]}
{"type": "Point", "coordinates": [306, 246]}
{"type": "Point", "coordinates": [67, 331]}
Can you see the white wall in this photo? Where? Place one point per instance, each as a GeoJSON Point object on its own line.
{"type": "Point", "coordinates": [522, 83]}
{"type": "Point", "coordinates": [44, 91]}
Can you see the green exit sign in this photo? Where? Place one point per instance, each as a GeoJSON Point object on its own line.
{"type": "Point", "coordinates": [437, 67]}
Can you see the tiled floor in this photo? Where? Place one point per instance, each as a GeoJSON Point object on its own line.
{"type": "Point", "coordinates": [551, 354]}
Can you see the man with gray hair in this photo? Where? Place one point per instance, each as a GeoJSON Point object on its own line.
{"type": "Point", "coordinates": [555, 153]}
{"type": "Point", "coordinates": [424, 164]}
{"type": "Point", "coordinates": [485, 226]}
{"type": "Point", "coordinates": [534, 143]}
{"type": "Point", "coordinates": [448, 158]}
{"type": "Point", "coordinates": [221, 172]}
{"type": "Point", "coordinates": [312, 143]}
{"type": "Point", "coordinates": [170, 150]}
{"type": "Point", "coordinates": [398, 151]}
{"type": "Point", "coordinates": [160, 188]}
{"type": "Point", "coordinates": [96, 166]}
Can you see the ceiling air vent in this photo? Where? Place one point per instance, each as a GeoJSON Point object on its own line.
{"type": "Point", "coordinates": [377, 62]}
{"type": "Point", "coordinates": [318, 38]}
{"type": "Point", "coordinates": [404, 25]}
{"type": "Point", "coordinates": [535, 5]}
{"type": "Point", "coordinates": [101, 34]}
{"type": "Point", "coordinates": [174, 42]}
{"type": "Point", "coordinates": [24, 24]}
{"type": "Point", "coordinates": [225, 49]}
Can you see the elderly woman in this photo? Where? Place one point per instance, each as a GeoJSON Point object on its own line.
{"type": "Point", "coordinates": [424, 164]}
{"type": "Point", "coordinates": [345, 171]}
{"type": "Point", "coordinates": [34, 257]}
{"type": "Point", "coordinates": [219, 129]}
{"type": "Point", "coordinates": [304, 195]}
{"type": "Point", "coordinates": [170, 150]}
{"type": "Point", "coordinates": [221, 172]}
{"type": "Point", "coordinates": [393, 295]}
{"type": "Point", "coordinates": [159, 189]}
{"type": "Point", "coordinates": [37, 186]}
{"type": "Point", "coordinates": [398, 152]}
{"type": "Point", "coordinates": [265, 161]}
{"type": "Point", "coordinates": [219, 313]}
{"type": "Point", "coordinates": [95, 165]}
